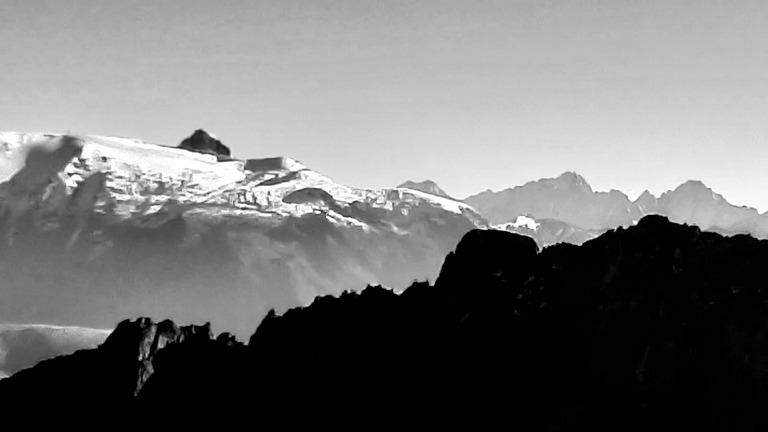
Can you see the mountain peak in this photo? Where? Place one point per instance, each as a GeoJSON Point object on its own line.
{"type": "Point", "coordinates": [202, 131]}
{"type": "Point", "coordinates": [203, 142]}
{"type": "Point", "coordinates": [646, 200]}
{"type": "Point", "coordinates": [697, 192]}
{"type": "Point", "coordinates": [571, 180]}
{"type": "Point", "coordinates": [645, 195]}
{"type": "Point", "coordinates": [427, 186]}
{"type": "Point", "coordinates": [694, 184]}
{"type": "Point", "coordinates": [695, 188]}
{"type": "Point", "coordinates": [571, 175]}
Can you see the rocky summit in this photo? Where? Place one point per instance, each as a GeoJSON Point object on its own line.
{"type": "Point", "coordinates": [201, 141]}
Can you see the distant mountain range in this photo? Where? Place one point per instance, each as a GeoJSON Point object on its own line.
{"type": "Point", "coordinates": [581, 212]}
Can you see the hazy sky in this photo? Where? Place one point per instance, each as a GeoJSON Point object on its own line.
{"type": "Point", "coordinates": [472, 94]}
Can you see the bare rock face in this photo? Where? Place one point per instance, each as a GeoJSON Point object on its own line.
{"type": "Point", "coordinates": [150, 338]}
{"type": "Point", "coordinates": [202, 142]}
{"type": "Point", "coordinates": [111, 376]}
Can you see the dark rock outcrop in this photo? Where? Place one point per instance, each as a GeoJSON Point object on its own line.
{"type": "Point", "coordinates": [111, 377]}
{"type": "Point", "coordinates": [202, 142]}
{"type": "Point", "coordinates": [656, 327]}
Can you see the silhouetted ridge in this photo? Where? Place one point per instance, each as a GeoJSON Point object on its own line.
{"type": "Point", "coordinates": [488, 261]}
{"type": "Point", "coordinates": [659, 326]}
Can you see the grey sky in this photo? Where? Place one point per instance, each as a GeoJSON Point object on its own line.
{"type": "Point", "coordinates": [471, 94]}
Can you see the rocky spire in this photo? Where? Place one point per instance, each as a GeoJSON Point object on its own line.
{"type": "Point", "coordinates": [202, 142]}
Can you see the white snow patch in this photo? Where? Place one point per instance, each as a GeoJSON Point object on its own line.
{"type": "Point", "coordinates": [347, 221]}
{"type": "Point", "coordinates": [522, 221]}
{"type": "Point", "coordinates": [526, 221]}
{"type": "Point", "coordinates": [632, 194]}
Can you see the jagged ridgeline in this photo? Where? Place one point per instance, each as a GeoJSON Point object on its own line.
{"type": "Point", "coordinates": [656, 327]}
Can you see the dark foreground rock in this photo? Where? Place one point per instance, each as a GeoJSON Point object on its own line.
{"type": "Point", "coordinates": [202, 142]}
{"type": "Point", "coordinates": [656, 327]}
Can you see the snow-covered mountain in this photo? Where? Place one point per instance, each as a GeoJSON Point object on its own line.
{"type": "Point", "coordinates": [96, 228]}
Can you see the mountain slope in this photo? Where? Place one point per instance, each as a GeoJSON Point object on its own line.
{"type": "Point", "coordinates": [695, 203]}
{"type": "Point", "coordinates": [567, 198]}
{"type": "Point", "coordinates": [427, 186]}
{"type": "Point", "coordinates": [95, 228]}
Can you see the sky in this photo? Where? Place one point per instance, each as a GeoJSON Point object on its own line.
{"type": "Point", "coordinates": [474, 95]}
